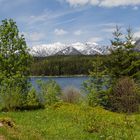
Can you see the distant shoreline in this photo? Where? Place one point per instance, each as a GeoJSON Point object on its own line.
{"type": "Point", "coordinates": [61, 76]}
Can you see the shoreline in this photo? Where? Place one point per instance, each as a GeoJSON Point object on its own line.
{"type": "Point", "coordinates": [61, 76]}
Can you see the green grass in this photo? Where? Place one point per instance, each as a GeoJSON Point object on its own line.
{"type": "Point", "coordinates": [71, 122]}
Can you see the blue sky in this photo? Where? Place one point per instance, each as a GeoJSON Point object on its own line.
{"type": "Point", "coordinates": [69, 21]}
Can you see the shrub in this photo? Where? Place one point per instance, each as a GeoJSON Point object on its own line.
{"type": "Point", "coordinates": [92, 98]}
{"type": "Point", "coordinates": [95, 98]}
{"type": "Point", "coordinates": [125, 96]}
{"type": "Point", "coordinates": [97, 90]}
{"type": "Point", "coordinates": [71, 95]}
{"type": "Point", "coordinates": [103, 98]}
{"type": "Point", "coordinates": [10, 98]}
{"type": "Point", "coordinates": [32, 99]}
{"type": "Point", "coordinates": [91, 93]}
{"type": "Point", "coordinates": [50, 92]}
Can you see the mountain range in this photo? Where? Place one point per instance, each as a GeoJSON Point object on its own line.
{"type": "Point", "coordinates": [88, 48]}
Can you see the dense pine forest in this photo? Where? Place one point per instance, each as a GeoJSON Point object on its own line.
{"type": "Point", "coordinates": [62, 65]}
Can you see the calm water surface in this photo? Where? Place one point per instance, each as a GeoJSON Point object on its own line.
{"type": "Point", "coordinates": [62, 81]}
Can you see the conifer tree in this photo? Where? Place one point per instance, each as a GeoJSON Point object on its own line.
{"type": "Point", "coordinates": [123, 60]}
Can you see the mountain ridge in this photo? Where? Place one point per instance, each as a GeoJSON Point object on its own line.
{"type": "Point", "coordinates": [78, 48]}
{"type": "Point", "coordinates": [88, 48]}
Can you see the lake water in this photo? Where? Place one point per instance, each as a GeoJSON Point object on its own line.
{"type": "Point", "coordinates": [62, 81]}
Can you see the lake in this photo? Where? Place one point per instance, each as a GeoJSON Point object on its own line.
{"type": "Point", "coordinates": [62, 81]}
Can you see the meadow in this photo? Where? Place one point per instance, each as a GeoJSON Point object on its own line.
{"type": "Point", "coordinates": [64, 121]}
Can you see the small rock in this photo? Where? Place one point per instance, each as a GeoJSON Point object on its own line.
{"type": "Point", "coordinates": [2, 138]}
{"type": "Point", "coordinates": [1, 125]}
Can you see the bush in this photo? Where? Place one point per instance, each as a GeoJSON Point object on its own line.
{"type": "Point", "coordinates": [10, 98]}
{"type": "Point", "coordinates": [103, 98]}
{"type": "Point", "coordinates": [97, 89]}
{"type": "Point", "coordinates": [95, 98]}
{"type": "Point", "coordinates": [71, 95]}
{"type": "Point", "coordinates": [91, 92]}
{"type": "Point", "coordinates": [125, 96]}
{"type": "Point", "coordinates": [50, 92]}
{"type": "Point", "coordinates": [32, 99]}
{"type": "Point", "coordinates": [92, 98]}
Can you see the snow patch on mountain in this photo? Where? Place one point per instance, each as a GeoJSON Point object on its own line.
{"type": "Point", "coordinates": [88, 48]}
{"type": "Point", "coordinates": [69, 51]}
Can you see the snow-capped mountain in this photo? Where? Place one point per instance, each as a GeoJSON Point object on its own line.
{"type": "Point", "coordinates": [78, 48]}
{"type": "Point", "coordinates": [47, 49]}
{"type": "Point", "coordinates": [69, 51]}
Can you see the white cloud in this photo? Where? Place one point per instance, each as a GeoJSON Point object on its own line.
{"type": "Point", "coordinates": [109, 30]}
{"type": "Point", "coordinates": [105, 3]}
{"type": "Point", "coordinates": [60, 32]}
{"type": "Point", "coordinates": [65, 21]}
{"type": "Point", "coordinates": [82, 2]}
{"type": "Point", "coordinates": [33, 37]}
{"type": "Point", "coordinates": [77, 2]}
{"type": "Point", "coordinates": [135, 8]}
{"type": "Point", "coordinates": [111, 24]}
{"type": "Point", "coordinates": [49, 15]}
{"type": "Point", "coordinates": [116, 3]}
{"type": "Point", "coordinates": [95, 39]}
{"type": "Point", "coordinates": [78, 32]}
{"type": "Point", "coordinates": [137, 34]}
{"type": "Point", "coordinates": [110, 27]}
{"type": "Point", "coordinates": [94, 2]}
{"type": "Point", "coordinates": [39, 18]}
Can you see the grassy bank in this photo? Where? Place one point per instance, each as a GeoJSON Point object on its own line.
{"type": "Point", "coordinates": [70, 122]}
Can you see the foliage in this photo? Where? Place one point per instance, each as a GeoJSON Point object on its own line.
{"type": "Point", "coordinates": [71, 95]}
{"type": "Point", "coordinates": [95, 98]}
{"type": "Point", "coordinates": [32, 99]}
{"type": "Point", "coordinates": [50, 92]}
{"type": "Point", "coordinates": [10, 97]}
{"type": "Point", "coordinates": [125, 96]}
{"type": "Point", "coordinates": [124, 60]}
{"type": "Point", "coordinates": [97, 85]}
{"type": "Point", "coordinates": [14, 56]}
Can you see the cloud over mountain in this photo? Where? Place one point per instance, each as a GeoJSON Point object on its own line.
{"type": "Point", "coordinates": [104, 3]}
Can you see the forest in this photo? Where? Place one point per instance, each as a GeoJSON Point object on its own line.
{"type": "Point", "coordinates": [62, 65]}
